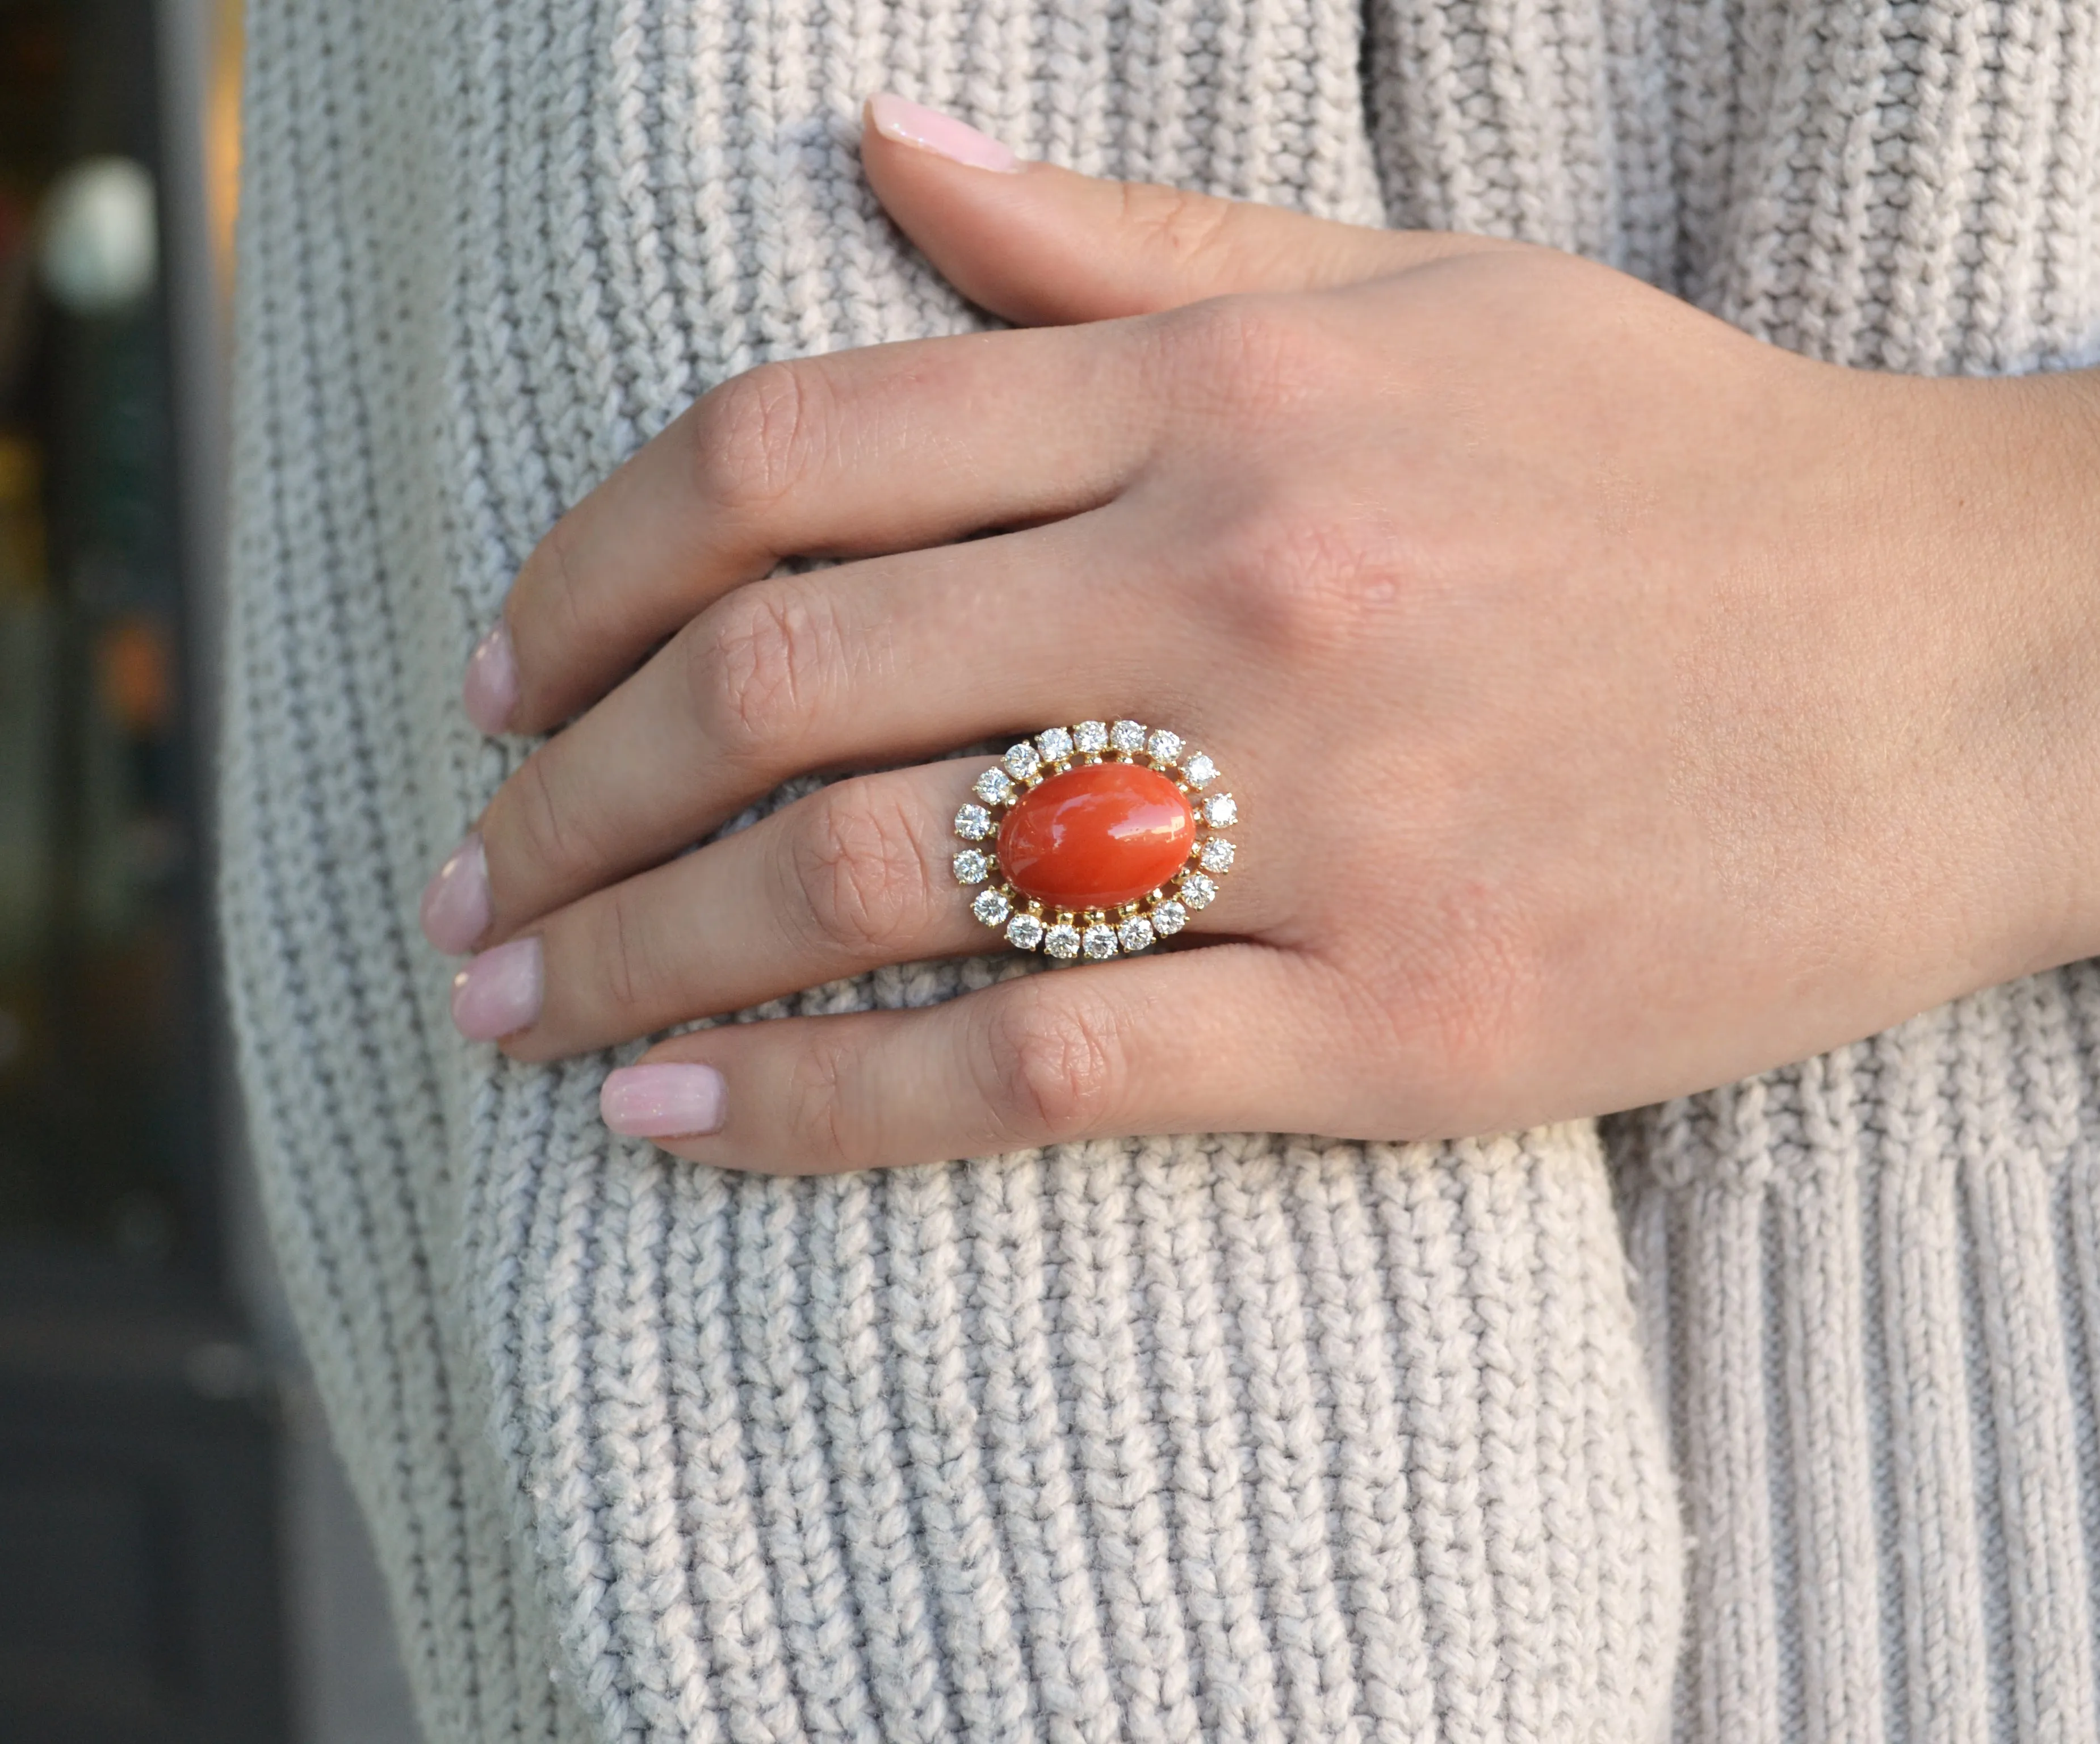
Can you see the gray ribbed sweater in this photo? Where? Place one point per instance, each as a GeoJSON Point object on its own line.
{"type": "Point", "coordinates": [1244, 1437]}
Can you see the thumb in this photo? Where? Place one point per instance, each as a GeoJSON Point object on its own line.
{"type": "Point", "coordinates": [1041, 245]}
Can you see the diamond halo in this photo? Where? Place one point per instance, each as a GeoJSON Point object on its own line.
{"type": "Point", "coordinates": [1093, 934]}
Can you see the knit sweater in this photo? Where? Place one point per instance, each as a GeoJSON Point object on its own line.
{"type": "Point", "coordinates": [1768, 1414]}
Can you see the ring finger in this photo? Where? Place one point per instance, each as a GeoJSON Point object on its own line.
{"type": "Point", "coordinates": [854, 877]}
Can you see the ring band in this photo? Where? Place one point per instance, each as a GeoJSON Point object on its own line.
{"type": "Point", "coordinates": [1094, 840]}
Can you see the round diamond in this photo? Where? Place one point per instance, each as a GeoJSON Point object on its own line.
{"type": "Point", "coordinates": [1055, 744]}
{"type": "Point", "coordinates": [973, 824]}
{"type": "Point", "coordinates": [1021, 760]}
{"type": "Point", "coordinates": [1062, 940]}
{"type": "Point", "coordinates": [971, 867]}
{"type": "Point", "coordinates": [1135, 933]}
{"type": "Point", "coordinates": [1197, 891]}
{"type": "Point", "coordinates": [1217, 855]}
{"type": "Point", "coordinates": [1127, 737]}
{"type": "Point", "coordinates": [991, 906]}
{"type": "Point", "coordinates": [1199, 771]}
{"type": "Point", "coordinates": [1024, 930]}
{"type": "Point", "coordinates": [1162, 747]}
{"type": "Point", "coordinates": [1091, 737]}
{"type": "Point", "coordinates": [1100, 943]}
{"type": "Point", "coordinates": [1168, 918]}
{"type": "Point", "coordinates": [1221, 811]}
{"type": "Point", "coordinates": [994, 788]}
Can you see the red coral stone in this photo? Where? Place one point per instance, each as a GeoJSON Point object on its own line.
{"type": "Point", "coordinates": [1096, 837]}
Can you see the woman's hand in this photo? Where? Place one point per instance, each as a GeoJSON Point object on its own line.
{"type": "Point", "coordinates": [1617, 705]}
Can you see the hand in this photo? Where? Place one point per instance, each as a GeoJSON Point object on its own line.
{"type": "Point", "coordinates": [1617, 705]}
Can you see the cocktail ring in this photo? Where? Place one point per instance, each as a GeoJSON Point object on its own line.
{"type": "Point", "coordinates": [1094, 839]}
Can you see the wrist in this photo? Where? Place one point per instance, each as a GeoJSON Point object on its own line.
{"type": "Point", "coordinates": [2020, 524]}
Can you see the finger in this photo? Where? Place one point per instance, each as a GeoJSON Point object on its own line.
{"type": "Point", "coordinates": [856, 875]}
{"type": "Point", "coordinates": [885, 661]}
{"type": "Point", "coordinates": [1228, 1038]}
{"type": "Point", "coordinates": [889, 448]}
{"type": "Point", "coordinates": [1039, 245]}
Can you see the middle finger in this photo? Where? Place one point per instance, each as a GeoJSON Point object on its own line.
{"type": "Point", "coordinates": [881, 661]}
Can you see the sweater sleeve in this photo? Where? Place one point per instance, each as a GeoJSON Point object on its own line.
{"type": "Point", "coordinates": [1871, 1285]}
{"type": "Point", "coordinates": [1234, 1437]}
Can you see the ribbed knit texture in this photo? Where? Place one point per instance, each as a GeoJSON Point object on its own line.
{"type": "Point", "coordinates": [1233, 1438]}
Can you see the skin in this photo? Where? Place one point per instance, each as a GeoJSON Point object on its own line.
{"type": "Point", "coordinates": [1617, 706]}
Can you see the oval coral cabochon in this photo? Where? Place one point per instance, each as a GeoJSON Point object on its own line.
{"type": "Point", "coordinates": [1096, 837]}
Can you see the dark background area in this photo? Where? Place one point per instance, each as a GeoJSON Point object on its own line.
{"type": "Point", "coordinates": [178, 1559]}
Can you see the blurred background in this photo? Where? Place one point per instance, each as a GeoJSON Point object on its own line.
{"type": "Point", "coordinates": [178, 1559]}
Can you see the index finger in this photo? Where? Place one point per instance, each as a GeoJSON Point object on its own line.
{"type": "Point", "coordinates": [888, 448]}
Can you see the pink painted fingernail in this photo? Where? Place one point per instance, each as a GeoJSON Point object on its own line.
{"type": "Point", "coordinates": [909, 123]}
{"type": "Point", "coordinates": [456, 905]}
{"type": "Point", "coordinates": [661, 1101]}
{"type": "Point", "coordinates": [498, 993]}
{"type": "Point", "coordinates": [491, 689]}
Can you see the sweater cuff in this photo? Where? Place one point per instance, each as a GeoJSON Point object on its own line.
{"type": "Point", "coordinates": [1200, 1437]}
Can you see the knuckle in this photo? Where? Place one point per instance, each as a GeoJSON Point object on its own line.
{"type": "Point", "coordinates": [828, 1126]}
{"type": "Point", "coordinates": [556, 621]}
{"type": "Point", "coordinates": [1053, 1066]}
{"type": "Point", "coordinates": [565, 608]}
{"type": "Point", "coordinates": [759, 435]}
{"type": "Point", "coordinates": [1477, 992]}
{"type": "Point", "coordinates": [629, 966]}
{"type": "Point", "coordinates": [1191, 229]}
{"type": "Point", "coordinates": [761, 664]}
{"type": "Point", "coordinates": [1290, 578]}
{"type": "Point", "coordinates": [556, 841]}
{"type": "Point", "coordinates": [1253, 360]}
{"type": "Point", "coordinates": [861, 877]}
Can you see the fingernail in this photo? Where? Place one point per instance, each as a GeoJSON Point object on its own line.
{"type": "Point", "coordinates": [491, 689]}
{"type": "Point", "coordinates": [661, 1101]}
{"type": "Point", "coordinates": [456, 905]}
{"type": "Point", "coordinates": [498, 993]}
{"type": "Point", "coordinates": [909, 123]}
